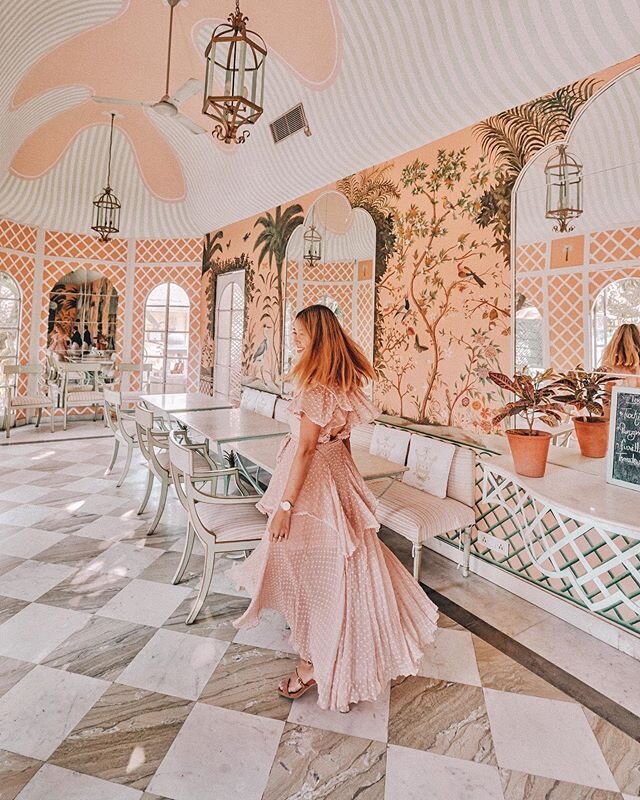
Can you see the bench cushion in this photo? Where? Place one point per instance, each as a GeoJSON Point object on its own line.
{"type": "Point", "coordinates": [429, 463]}
{"type": "Point", "coordinates": [33, 400]}
{"type": "Point", "coordinates": [390, 443]}
{"type": "Point", "coordinates": [232, 523]}
{"type": "Point", "coordinates": [417, 515]}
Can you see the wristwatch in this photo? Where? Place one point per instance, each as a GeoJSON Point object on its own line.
{"type": "Point", "coordinates": [285, 505]}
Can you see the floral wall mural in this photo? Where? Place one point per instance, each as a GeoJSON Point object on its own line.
{"type": "Point", "coordinates": [443, 298]}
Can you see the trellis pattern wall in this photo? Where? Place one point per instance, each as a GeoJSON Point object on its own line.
{"type": "Point", "coordinates": [562, 277]}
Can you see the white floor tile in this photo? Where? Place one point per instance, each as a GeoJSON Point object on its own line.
{"type": "Point", "coordinates": [82, 470]}
{"type": "Point", "coordinates": [418, 775]}
{"type": "Point", "coordinates": [20, 476]}
{"type": "Point", "coordinates": [546, 737]}
{"type": "Point", "coordinates": [31, 579]}
{"type": "Point", "coordinates": [270, 634]}
{"type": "Point", "coordinates": [145, 602]}
{"type": "Point", "coordinates": [588, 659]}
{"type": "Point", "coordinates": [92, 485]}
{"type": "Point", "coordinates": [40, 710]}
{"type": "Point", "coordinates": [110, 527]}
{"type": "Point", "coordinates": [34, 632]}
{"type": "Point", "coordinates": [220, 754]}
{"type": "Point", "coordinates": [125, 560]}
{"type": "Point", "coordinates": [27, 515]}
{"type": "Point", "coordinates": [24, 494]}
{"type": "Point", "coordinates": [51, 782]}
{"type": "Point", "coordinates": [92, 503]}
{"type": "Point", "coordinates": [28, 542]}
{"type": "Point", "coordinates": [451, 657]}
{"type": "Point", "coordinates": [365, 720]}
{"type": "Point", "coordinates": [175, 663]}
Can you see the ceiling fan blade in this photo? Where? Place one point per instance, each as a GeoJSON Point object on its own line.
{"type": "Point", "coordinates": [119, 101]}
{"type": "Point", "coordinates": [189, 124]}
{"type": "Point", "coordinates": [187, 90]}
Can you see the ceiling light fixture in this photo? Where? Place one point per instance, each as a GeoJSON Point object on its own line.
{"type": "Point", "coordinates": [563, 173]}
{"type": "Point", "coordinates": [106, 206]}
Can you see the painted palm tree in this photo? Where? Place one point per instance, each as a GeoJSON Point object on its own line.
{"type": "Point", "coordinates": [275, 233]}
{"type": "Point", "coordinates": [514, 136]}
{"type": "Point", "coordinates": [211, 247]}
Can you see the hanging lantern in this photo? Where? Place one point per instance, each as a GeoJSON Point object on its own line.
{"type": "Point", "coordinates": [563, 174]}
{"type": "Point", "coordinates": [312, 245]}
{"type": "Point", "coordinates": [106, 206]}
{"type": "Point", "coordinates": [235, 60]}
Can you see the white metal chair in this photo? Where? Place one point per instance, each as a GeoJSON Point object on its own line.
{"type": "Point", "coordinates": [181, 438]}
{"type": "Point", "coordinates": [122, 423]}
{"type": "Point", "coordinates": [153, 442]}
{"type": "Point", "coordinates": [125, 372]}
{"type": "Point", "coordinates": [223, 523]}
{"type": "Point", "coordinates": [86, 396]}
{"type": "Point", "coordinates": [26, 402]}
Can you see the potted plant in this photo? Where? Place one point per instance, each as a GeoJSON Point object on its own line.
{"type": "Point", "coordinates": [535, 399]}
{"type": "Point", "coordinates": [586, 391]}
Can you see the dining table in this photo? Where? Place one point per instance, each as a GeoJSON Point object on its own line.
{"type": "Point", "coordinates": [168, 404]}
{"type": "Point", "coordinates": [263, 453]}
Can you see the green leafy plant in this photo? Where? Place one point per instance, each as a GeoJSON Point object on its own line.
{"type": "Point", "coordinates": [536, 397]}
{"type": "Point", "coordinates": [584, 390]}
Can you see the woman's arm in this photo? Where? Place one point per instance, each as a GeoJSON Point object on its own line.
{"type": "Point", "coordinates": [309, 433]}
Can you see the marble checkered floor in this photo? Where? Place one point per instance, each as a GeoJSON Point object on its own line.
{"type": "Point", "coordinates": [105, 693]}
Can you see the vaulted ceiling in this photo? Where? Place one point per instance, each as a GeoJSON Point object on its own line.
{"type": "Point", "coordinates": [377, 78]}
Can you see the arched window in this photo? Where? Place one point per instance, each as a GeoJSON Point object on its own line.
{"type": "Point", "coordinates": [10, 314]}
{"type": "Point", "coordinates": [229, 330]}
{"type": "Point", "coordinates": [166, 337]}
{"type": "Point", "coordinates": [616, 304]}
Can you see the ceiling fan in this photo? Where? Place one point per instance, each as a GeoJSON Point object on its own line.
{"type": "Point", "coordinates": [168, 104]}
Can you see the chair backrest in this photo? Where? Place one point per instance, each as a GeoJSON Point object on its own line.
{"type": "Point", "coordinates": [128, 368]}
{"type": "Point", "coordinates": [112, 402]}
{"type": "Point", "coordinates": [281, 411]}
{"type": "Point", "coordinates": [390, 443]}
{"type": "Point", "coordinates": [182, 458]}
{"type": "Point", "coordinates": [429, 461]}
{"type": "Point", "coordinates": [112, 398]}
{"type": "Point", "coordinates": [22, 369]}
{"type": "Point", "coordinates": [249, 399]}
{"type": "Point", "coordinates": [265, 404]}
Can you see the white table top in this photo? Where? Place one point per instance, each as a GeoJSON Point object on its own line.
{"type": "Point", "coordinates": [189, 401]}
{"type": "Point", "coordinates": [263, 452]}
{"type": "Point", "coordinates": [578, 494]}
{"type": "Point", "coordinates": [231, 424]}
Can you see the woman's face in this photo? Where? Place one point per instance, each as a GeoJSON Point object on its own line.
{"type": "Point", "coordinates": [300, 336]}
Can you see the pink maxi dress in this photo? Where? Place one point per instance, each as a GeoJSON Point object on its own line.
{"type": "Point", "coordinates": [354, 611]}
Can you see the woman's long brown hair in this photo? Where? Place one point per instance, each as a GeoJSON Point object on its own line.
{"type": "Point", "coordinates": [623, 349]}
{"type": "Point", "coordinates": [332, 358]}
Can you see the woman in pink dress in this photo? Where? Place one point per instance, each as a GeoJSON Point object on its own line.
{"type": "Point", "coordinates": [358, 618]}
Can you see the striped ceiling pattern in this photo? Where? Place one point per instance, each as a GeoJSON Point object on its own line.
{"type": "Point", "coordinates": [605, 138]}
{"type": "Point", "coordinates": [404, 73]}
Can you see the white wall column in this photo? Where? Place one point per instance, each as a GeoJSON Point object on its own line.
{"type": "Point", "coordinates": [35, 355]}
{"type": "Point", "coordinates": [128, 300]}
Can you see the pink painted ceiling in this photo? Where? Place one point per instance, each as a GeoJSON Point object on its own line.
{"type": "Point", "coordinates": [377, 78]}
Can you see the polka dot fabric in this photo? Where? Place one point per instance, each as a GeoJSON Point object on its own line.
{"type": "Point", "coordinates": [353, 609]}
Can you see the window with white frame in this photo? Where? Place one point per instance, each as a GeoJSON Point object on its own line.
{"type": "Point", "coordinates": [616, 304]}
{"type": "Point", "coordinates": [229, 330]}
{"type": "Point", "coordinates": [10, 315]}
{"type": "Point", "coordinates": [166, 337]}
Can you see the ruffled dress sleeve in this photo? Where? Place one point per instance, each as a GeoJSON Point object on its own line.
{"type": "Point", "coordinates": [318, 403]}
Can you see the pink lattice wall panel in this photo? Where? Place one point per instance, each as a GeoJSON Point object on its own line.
{"type": "Point", "coordinates": [55, 269]}
{"type": "Point", "coordinates": [598, 280]}
{"type": "Point", "coordinates": [313, 293]}
{"type": "Point", "coordinates": [188, 278]}
{"type": "Point", "coordinates": [76, 245]}
{"type": "Point", "coordinates": [364, 310]}
{"type": "Point", "coordinates": [566, 337]}
{"type": "Point", "coordinates": [15, 236]}
{"type": "Point", "coordinates": [617, 244]}
{"type": "Point", "coordinates": [532, 288]}
{"type": "Point", "coordinates": [335, 271]}
{"type": "Point", "coordinates": [531, 257]}
{"type": "Point", "coordinates": [167, 251]}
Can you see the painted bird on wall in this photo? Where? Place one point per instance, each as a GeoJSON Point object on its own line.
{"type": "Point", "coordinates": [404, 310]}
{"type": "Point", "coordinates": [261, 349]}
{"type": "Point", "coordinates": [465, 272]}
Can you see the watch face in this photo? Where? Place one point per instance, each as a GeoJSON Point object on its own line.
{"type": "Point", "coordinates": [285, 505]}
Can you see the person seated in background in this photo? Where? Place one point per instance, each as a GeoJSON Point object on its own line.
{"type": "Point", "coordinates": [621, 357]}
{"type": "Point", "coordinates": [86, 336]}
{"type": "Point", "coordinates": [75, 337]}
{"type": "Point", "coordinates": [59, 342]}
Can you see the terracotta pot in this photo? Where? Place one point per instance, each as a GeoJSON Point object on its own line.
{"type": "Point", "coordinates": [593, 436]}
{"type": "Point", "coordinates": [529, 451]}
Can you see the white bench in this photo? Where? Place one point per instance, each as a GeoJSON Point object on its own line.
{"type": "Point", "coordinates": [407, 507]}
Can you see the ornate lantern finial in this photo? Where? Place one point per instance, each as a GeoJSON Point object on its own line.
{"type": "Point", "coordinates": [106, 206]}
{"type": "Point", "coordinates": [563, 173]}
{"type": "Point", "coordinates": [235, 60]}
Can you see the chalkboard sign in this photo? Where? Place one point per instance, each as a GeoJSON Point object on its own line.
{"type": "Point", "coordinates": [623, 459]}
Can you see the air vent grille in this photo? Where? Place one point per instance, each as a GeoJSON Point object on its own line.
{"type": "Point", "coordinates": [289, 123]}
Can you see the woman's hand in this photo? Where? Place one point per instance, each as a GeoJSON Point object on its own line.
{"type": "Point", "coordinates": [280, 524]}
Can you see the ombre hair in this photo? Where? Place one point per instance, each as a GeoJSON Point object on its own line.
{"type": "Point", "coordinates": [331, 358]}
{"type": "Point", "coordinates": [623, 350]}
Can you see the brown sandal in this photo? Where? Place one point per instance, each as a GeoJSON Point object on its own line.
{"type": "Point", "coordinates": [304, 687]}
